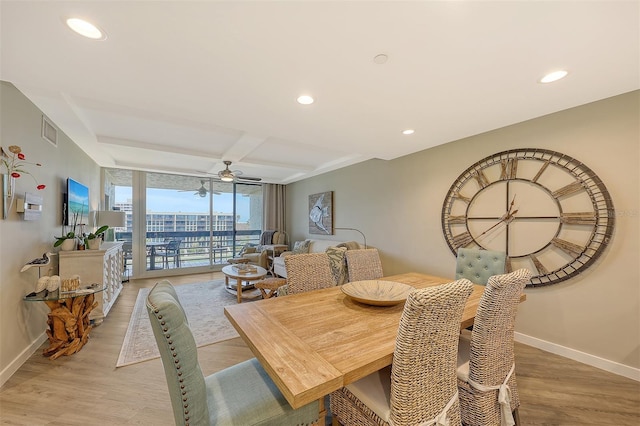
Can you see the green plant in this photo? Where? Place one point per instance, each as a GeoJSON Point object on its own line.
{"type": "Point", "coordinates": [71, 234]}
{"type": "Point", "coordinates": [61, 239]}
{"type": "Point", "coordinates": [98, 233]}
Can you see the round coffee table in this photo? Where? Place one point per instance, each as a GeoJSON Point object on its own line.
{"type": "Point", "coordinates": [230, 272]}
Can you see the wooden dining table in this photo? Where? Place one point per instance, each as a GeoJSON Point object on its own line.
{"type": "Point", "coordinates": [314, 343]}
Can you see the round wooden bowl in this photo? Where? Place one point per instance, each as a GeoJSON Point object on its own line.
{"type": "Point", "coordinates": [377, 292]}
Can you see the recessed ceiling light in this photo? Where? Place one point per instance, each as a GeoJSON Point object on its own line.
{"type": "Point", "coordinates": [554, 76]}
{"type": "Point", "coordinates": [380, 59]}
{"type": "Point", "coordinates": [86, 29]}
{"type": "Point", "coordinates": [305, 100]}
{"type": "Point", "coordinates": [408, 132]}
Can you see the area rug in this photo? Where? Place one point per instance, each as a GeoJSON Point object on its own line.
{"type": "Point", "coordinates": [204, 304]}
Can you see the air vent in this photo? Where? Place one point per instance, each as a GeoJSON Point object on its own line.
{"type": "Point", "coordinates": [49, 132]}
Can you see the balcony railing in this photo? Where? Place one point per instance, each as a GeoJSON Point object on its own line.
{"type": "Point", "coordinates": [197, 248]}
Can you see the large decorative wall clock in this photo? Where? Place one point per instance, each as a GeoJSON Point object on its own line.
{"type": "Point", "coordinates": [547, 211]}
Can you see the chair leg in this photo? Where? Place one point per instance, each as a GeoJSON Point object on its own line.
{"type": "Point", "coordinates": [516, 417]}
{"type": "Point", "coordinates": [322, 412]}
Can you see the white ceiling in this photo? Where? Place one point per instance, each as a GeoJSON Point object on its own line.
{"type": "Point", "coordinates": [178, 86]}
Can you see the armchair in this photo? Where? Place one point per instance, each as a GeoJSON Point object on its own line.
{"type": "Point", "coordinates": [269, 241]}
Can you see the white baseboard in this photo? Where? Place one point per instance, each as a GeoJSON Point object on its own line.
{"type": "Point", "coordinates": [21, 359]}
{"type": "Point", "coordinates": [585, 358]}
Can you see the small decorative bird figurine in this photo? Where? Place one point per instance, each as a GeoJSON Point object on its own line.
{"type": "Point", "coordinates": [41, 261]}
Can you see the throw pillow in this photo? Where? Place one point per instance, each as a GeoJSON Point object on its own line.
{"type": "Point", "coordinates": [248, 248]}
{"type": "Point", "coordinates": [338, 264]}
{"type": "Point", "coordinates": [350, 245]}
{"type": "Point", "coordinates": [301, 247]}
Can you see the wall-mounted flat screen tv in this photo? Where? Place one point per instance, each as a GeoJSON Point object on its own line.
{"type": "Point", "coordinates": [76, 203]}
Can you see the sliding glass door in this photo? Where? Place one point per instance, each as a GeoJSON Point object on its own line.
{"type": "Point", "coordinates": [188, 222]}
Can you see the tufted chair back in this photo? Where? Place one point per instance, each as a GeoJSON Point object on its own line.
{"type": "Point", "coordinates": [179, 356]}
{"type": "Point", "coordinates": [478, 265]}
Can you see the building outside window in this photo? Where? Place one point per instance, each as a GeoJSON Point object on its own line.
{"type": "Point", "coordinates": [199, 214]}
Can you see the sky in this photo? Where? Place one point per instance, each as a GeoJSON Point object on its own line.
{"type": "Point", "coordinates": [163, 200]}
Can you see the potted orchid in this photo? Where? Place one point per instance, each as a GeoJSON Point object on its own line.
{"type": "Point", "coordinates": [93, 239]}
{"type": "Point", "coordinates": [68, 241]}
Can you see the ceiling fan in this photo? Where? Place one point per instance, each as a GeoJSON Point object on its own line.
{"type": "Point", "coordinates": [227, 175]}
{"type": "Point", "coordinates": [202, 191]}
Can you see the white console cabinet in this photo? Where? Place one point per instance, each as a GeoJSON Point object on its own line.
{"type": "Point", "coordinates": [103, 266]}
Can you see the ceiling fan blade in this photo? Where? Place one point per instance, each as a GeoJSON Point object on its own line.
{"type": "Point", "coordinates": [236, 175]}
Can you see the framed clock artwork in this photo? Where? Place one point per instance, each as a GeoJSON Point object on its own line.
{"type": "Point", "coordinates": [547, 211]}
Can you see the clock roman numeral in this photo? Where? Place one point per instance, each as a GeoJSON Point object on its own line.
{"type": "Point", "coordinates": [456, 219]}
{"type": "Point", "coordinates": [509, 168]}
{"type": "Point", "coordinates": [568, 190]}
{"type": "Point", "coordinates": [542, 169]}
{"type": "Point", "coordinates": [462, 240]}
{"type": "Point", "coordinates": [570, 248]}
{"type": "Point", "coordinates": [578, 218]}
{"type": "Point", "coordinates": [481, 178]}
{"type": "Point", "coordinates": [461, 197]}
{"type": "Point", "coordinates": [539, 266]}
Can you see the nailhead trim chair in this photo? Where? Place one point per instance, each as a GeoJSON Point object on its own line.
{"type": "Point", "coordinates": [478, 265]}
{"type": "Point", "coordinates": [239, 395]}
{"type": "Point", "coordinates": [364, 264]}
{"type": "Point", "coordinates": [420, 387]}
{"type": "Point", "coordinates": [486, 362]}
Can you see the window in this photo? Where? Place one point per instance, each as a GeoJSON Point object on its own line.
{"type": "Point", "coordinates": [211, 220]}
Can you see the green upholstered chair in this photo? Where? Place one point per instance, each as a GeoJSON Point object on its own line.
{"type": "Point", "coordinates": [239, 395]}
{"type": "Point", "coordinates": [478, 265]}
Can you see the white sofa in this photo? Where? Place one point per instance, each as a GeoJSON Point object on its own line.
{"type": "Point", "coordinates": [315, 246]}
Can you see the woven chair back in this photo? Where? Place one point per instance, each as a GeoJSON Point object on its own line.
{"type": "Point", "coordinates": [423, 374]}
{"type": "Point", "coordinates": [491, 356]}
{"type": "Point", "coordinates": [307, 272]}
{"type": "Point", "coordinates": [363, 264]}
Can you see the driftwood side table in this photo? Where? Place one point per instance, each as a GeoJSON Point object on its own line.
{"type": "Point", "coordinates": [68, 322]}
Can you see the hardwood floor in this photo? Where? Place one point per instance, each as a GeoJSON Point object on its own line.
{"type": "Point", "coordinates": [87, 389]}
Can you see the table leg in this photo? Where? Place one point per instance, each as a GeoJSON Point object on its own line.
{"type": "Point", "coordinates": [239, 290]}
{"type": "Point", "coordinates": [69, 326]}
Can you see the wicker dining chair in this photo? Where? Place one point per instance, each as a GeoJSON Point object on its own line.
{"type": "Point", "coordinates": [240, 395]}
{"type": "Point", "coordinates": [420, 387]}
{"type": "Point", "coordinates": [307, 272]}
{"type": "Point", "coordinates": [486, 363]}
{"type": "Point", "coordinates": [364, 264]}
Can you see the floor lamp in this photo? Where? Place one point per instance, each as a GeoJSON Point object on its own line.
{"type": "Point", "coordinates": [357, 230]}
